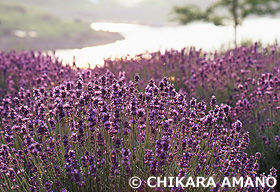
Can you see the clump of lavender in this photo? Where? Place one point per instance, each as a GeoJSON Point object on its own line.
{"type": "Point", "coordinates": [246, 78]}
{"type": "Point", "coordinates": [258, 107]}
{"type": "Point", "coordinates": [28, 69]}
{"type": "Point", "coordinates": [94, 135]}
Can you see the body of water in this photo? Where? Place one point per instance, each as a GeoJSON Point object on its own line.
{"type": "Point", "coordinates": [141, 38]}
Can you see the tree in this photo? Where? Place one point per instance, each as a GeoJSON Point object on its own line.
{"type": "Point", "coordinates": [237, 10]}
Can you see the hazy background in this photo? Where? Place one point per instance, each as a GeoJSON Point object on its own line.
{"type": "Point", "coordinates": [65, 24]}
{"type": "Point", "coordinates": [139, 11]}
{"type": "Point", "coordinates": [92, 30]}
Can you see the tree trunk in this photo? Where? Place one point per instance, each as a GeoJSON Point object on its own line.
{"type": "Point", "coordinates": [235, 36]}
{"type": "Point", "coordinates": [235, 18]}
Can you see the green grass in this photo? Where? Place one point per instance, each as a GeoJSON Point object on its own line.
{"type": "Point", "coordinates": [62, 6]}
{"type": "Point", "coordinates": [20, 17]}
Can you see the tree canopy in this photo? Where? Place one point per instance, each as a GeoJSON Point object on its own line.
{"type": "Point", "coordinates": [237, 11]}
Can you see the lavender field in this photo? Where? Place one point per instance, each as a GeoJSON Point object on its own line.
{"type": "Point", "coordinates": [183, 113]}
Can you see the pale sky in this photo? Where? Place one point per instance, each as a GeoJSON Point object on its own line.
{"type": "Point", "coordinates": [128, 3]}
{"type": "Point", "coordinates": [133, 3]}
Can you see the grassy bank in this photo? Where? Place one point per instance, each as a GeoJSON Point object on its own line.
{"type": "Point", "coordinates": [25, 27]}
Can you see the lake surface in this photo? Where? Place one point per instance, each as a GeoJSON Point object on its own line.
{"type": "Point", "coordinates": [142, 38]}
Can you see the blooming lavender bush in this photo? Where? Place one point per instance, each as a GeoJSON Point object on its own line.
{"type": "Point", "coordinates": [197, 73]}
{"type": "Point", "coordinates": [94, 133]}
{"type": "Point", "coordinates": [43, 104]}
{"type": "Point", "coordinates": [258, 106]}
{"type": "Point", "coordinates": [32, 69]}
{"type": "Point", "coordinates": [245, 78]}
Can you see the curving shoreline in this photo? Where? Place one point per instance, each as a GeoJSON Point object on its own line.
{"type": "Point", "coordinates": [85, 39]}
